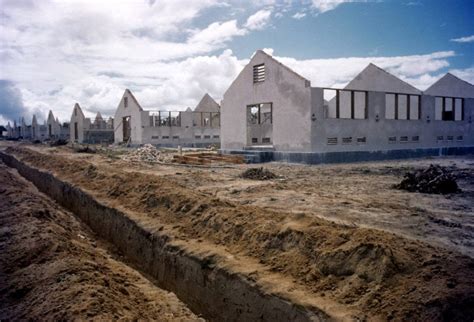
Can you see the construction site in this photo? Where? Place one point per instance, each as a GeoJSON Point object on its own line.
{"type": "Point", "coordinates": [114, 233]}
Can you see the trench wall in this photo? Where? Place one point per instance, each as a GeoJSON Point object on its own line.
{"type": "Point", "coordinates": [209, 290]}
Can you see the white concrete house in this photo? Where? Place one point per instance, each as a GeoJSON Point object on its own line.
{"type": "Point", "coordinates": [38, 131]}
{"type": "Point", "coordinates": [273, 113]}
{"type": "Point", "coordinates": [82, 130]}
{"type": "Point", "coordinates": [193, 128]}
{"type": "Point", "coordinates": [56, 130]}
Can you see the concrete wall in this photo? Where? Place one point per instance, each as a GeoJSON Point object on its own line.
{"type": "Point", "coordinates": [78, 117]}
{"type": "Point", "coordinates": [134, 111]}
{"type": "Point", "coordinates": [143, 132]}
{"type": "Point", "coordinates": [377, 133]}
{"type": "Point", "coordinates": [290, 95]}
{"type": "Point", "coordinates": [184, 135]}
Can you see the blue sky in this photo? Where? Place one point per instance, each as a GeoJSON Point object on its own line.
{"type": "Point", "coordinates": [54, 53]}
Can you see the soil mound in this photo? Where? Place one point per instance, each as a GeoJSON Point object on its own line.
{"type": "Point", "coordinates": [434, 179]}
{"type": "Point", "coordinates": [258, 174]}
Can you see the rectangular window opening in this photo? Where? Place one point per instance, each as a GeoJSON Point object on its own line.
{"type": "Point", "coordinates": [449, 109]}
{"type": "Point", "coordinates": [345, 104]}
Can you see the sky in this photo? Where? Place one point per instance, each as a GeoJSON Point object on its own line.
{"type": "Point", "coordinates": [169, 53]}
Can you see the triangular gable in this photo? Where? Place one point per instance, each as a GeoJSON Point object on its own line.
{"type": "Point", "coordinates": [374, 78]}
{"type": "Point", "coordinates": [34, 121]}
{"type": "Point", "coordinates": [129, 93]}
{"type": "Point", "coordinates": [77, 110]}
{"type": "Point", "coordinates": [261, 55]}
{"type": "Point", "coordinates": [207, 104]}
{"type": "Point", "coordinates": [451, 86]}
{"type": "Point", "coordinates": [98, 117]}
{"type": "Point", "coordinates": [51, 117]}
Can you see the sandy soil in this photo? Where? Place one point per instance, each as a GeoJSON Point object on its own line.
{"type": "Point", "coordinates": [338, 231]}
{"type": "Point", "coordinates": [53, 268]}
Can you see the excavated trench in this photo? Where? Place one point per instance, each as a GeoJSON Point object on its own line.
{"type": "Point", "coordinates": [214, 292]}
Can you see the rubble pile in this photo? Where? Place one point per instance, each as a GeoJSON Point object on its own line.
{"type": "Point", "coordinates": [434, 179]}
{"type": "Point", "coordinates": [147, 153]}
{"type": "Point", "coordinates": [58, 142]}
{"type": "Point", "coordinates": [258, 174]}
{"type": "Point", "coordinates": [84, 149]}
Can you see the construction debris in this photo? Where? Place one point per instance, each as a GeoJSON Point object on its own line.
{"type": "Point", "coordinates": [208, 159]}
{"type": "Point", "coordinates": [435, 179]}
{"type": "Point", "coordinates": [58, 142]}
{"type": "Point", "coordinates": [147, 153]}
{"type": "Point", "coordinates": [84, 149]}
{"type": "Point", "coordinates": [258, 174]}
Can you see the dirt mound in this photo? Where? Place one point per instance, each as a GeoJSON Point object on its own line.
{"type": "Point", "coordinates": [258, 174]}
{"type": "Point", "coordinates": [434, 179]}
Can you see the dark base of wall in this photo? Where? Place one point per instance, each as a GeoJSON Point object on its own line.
{"type": "Point", "coordinates": [183, 145]}
{"type": "Point", "coordinates": [348, 156]}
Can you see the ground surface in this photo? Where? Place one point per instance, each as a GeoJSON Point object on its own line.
{"type": "Point", "coordinates": [341, 233]}
{"type": "Point", "coordinates": [53, 268]}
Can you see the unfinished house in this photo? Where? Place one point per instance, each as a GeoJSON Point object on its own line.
{"type": "Point", "coordinates": [56, 130]}
{"type": "Point", "coordinates": [82, 130]}
{"type": "Point", "coordinates": [10, 131]}
{"type": "Point", "coordinates": [38, 131]}
{"type": "Point", "coordinates": [191, 128]}
{"type": "Point", "coordinates": [25, 130]}
{"type": "Point", "coordinates": [272, 113]}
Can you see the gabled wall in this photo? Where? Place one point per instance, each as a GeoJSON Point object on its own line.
{"type": "Point", "coordinates": [374, 78]}
{"type": "Point", "coordinates": [451, 86]}
{"type": "Point", "coordinates": [135, 111]}
{"type": "Point", "coordinates": [290, 95]}
{"type": "Point", "coordinates": [78, 117]}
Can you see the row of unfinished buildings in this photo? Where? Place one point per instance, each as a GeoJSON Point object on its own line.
{"type": "Point", "coordinates": [198, 127]}
{"type": "Point", "coordinates": [270, 112]}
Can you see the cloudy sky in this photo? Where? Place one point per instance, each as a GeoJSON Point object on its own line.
{"type": "Point", "coordinates": [54, 53]}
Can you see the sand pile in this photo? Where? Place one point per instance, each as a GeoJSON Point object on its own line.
{"type": "Point", "coordinates": [147, 153]}
{"type": "Point", "coordinates": [435, 179]}
{"type": "Point", "coordinates": [258, 174]}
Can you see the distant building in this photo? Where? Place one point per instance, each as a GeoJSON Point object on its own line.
{"type": "Point", "coordinates": [192, 128]}
{"type": "Point", "coordinates": [82, 130]}
{"type": "Point", "coordinates": [56, 130]}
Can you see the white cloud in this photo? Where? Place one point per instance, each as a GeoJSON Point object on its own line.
{"type": "Point", "coordinates": [217, 33]}
{"type": "Point", "coordinates": [328, 5]}
{"type": "Point", "coordinates": [419, 70]}
{"type": "Point", "coordinates": [299, 15]}
{"type": "Point", "coordinates": [259, 20]}
{"type": "Point", "coordinates": [59, 52]}
{"type": "Point", "coordinates": [464, 39]}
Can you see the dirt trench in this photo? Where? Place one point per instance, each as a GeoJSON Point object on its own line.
{"type": "Point", "coordinates": [53, 268]}
{"type": "Point", "coordinates": [216, 293]}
